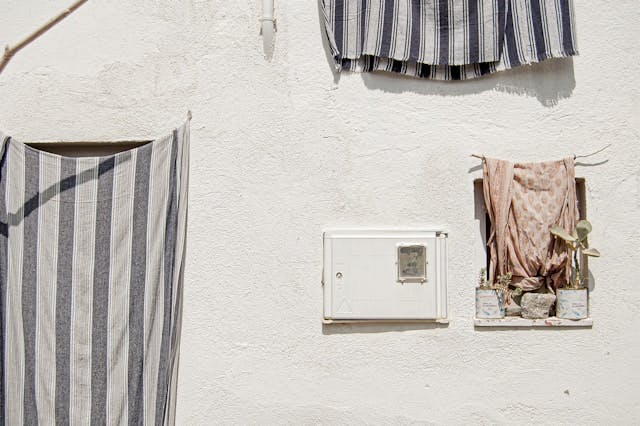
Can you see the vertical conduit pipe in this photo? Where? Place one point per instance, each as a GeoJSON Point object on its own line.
{"type": "Point", "coordinates": [268, 28]}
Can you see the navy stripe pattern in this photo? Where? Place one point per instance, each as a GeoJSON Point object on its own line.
{"type": "Point", "coordinates": [91, 261]}
{"type": "Point", "coordinates": [447, 39]}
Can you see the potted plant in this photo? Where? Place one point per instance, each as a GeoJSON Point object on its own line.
{"type": "Point", "coordinates": [573, 298]}
{"type": "Point", "coordinates": [489, 299]}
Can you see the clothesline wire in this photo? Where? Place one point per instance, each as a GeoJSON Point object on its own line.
{"type": "Point", "coordinates": [10, 51]}
{"type": "Point", "coordinates": [575, 157]}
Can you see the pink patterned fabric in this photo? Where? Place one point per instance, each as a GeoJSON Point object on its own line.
{"type": "Point", "coordinates": [523, 201]}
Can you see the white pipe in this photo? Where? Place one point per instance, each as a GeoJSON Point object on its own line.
{"type": "Point", "coordinates": [268, 28]}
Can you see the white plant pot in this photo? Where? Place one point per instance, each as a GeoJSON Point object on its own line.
{"type": "Point", "coordinates": [572, 303]}
{"type": "Point", "coordinates": [489, 304]}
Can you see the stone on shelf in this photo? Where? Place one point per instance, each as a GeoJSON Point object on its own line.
{"type": "Point", "coordinates": [536, 305]}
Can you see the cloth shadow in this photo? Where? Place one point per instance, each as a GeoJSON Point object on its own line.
{"type": "Point", "coordinates": [549, 82]}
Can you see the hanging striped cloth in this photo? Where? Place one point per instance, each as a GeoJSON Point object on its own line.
{"type": "Point", "coordinates": [447, 39]}
{"type": "Point", "coordinates": [91, 265]}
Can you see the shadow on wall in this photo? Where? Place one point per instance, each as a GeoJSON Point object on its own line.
{"type": "Point", "coordinates": [378, 327]}
{"type": "Point", "coordinates": [42, 197]}
{"type": "Point", "coordinates": [548, 81]}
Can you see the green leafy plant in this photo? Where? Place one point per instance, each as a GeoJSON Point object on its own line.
{"type": "Point", "coordinates": [577, 243]}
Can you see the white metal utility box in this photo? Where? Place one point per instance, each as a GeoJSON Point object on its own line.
{"type": "Point", "coordinates": [385, 275]}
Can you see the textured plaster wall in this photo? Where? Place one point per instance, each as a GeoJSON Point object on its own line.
{"type": "Point", "coordinates": [283, 148]}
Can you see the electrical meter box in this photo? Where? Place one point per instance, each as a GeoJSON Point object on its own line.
{"type": "Point", "coordinates": [385, 275]}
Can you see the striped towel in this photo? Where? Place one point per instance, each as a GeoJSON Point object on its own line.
{"type": "Point", "coordinates": [91, 263]}
{"type": "Point", "coordinates": [447, 39]}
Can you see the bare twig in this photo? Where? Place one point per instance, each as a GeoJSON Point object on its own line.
{"type": "Point", "coordinates": [575, 157]}
{"type": "Point", "coordinates": [10, 51]}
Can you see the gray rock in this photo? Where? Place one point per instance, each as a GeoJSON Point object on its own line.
{"type": "Point", "coordinates": [513, 310]}
{"type": "Point", "coordinates": [512, 307]}
{"type": "Point", "coordinates": [536, 305]}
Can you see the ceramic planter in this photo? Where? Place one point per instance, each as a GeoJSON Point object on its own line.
{"type": "Point", "coordinates": [572, 303]}
{"type": "Point", "coordinates": [489, 303]}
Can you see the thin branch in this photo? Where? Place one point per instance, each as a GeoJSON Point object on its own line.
{"type": "Point", "coordinates": [10, 51]}
{"type": "Point", "coordinates": [575, 157]}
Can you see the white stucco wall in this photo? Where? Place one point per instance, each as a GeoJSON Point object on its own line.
{"type": "Point", "coordinates": [283, 149]}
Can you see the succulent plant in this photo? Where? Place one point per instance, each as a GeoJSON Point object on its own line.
{"type": "Point", "coordinates": [577, 243]}
{"type": "Point", "coordinates": [482, 280]}
{"type": "Point", "coordinates": [503, 284]}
